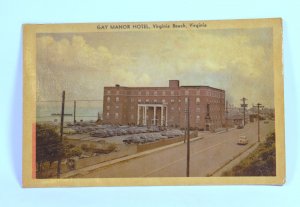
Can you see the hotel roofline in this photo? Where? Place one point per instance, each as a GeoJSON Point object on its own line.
{"type": "Point", "coordinates": [161, 87]}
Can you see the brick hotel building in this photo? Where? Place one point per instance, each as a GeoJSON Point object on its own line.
{"type": "Point", "coordinates": [165, 106]}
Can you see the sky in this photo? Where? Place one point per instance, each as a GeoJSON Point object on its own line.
{"type": "Point", "coordinates": [239, 61]}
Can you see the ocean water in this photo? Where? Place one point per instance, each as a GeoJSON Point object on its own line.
{"type": "Point", "coordinates": [86, 111]}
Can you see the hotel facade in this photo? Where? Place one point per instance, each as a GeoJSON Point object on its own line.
{"type": "Point", "coordinates": [165, 106]}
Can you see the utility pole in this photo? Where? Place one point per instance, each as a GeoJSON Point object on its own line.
{"type": "Point", "coordinates": [61, 131]}
{"type": "Point", "coordinates": [74, 112]}
{"type": "Point", "coordinates": [226, 111]}
{"type": "Point", "coordinates": [207, 118]}
{"type": "Point", "coordinates": [185, 129]}
{"type": "Point", "coordinates": [188, 140]}
{"type": "Point", "coordinates": [244, 105]}
{"type": "Point", "coordinates": [258, 105]}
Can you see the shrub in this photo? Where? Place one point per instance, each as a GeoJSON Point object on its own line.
{"type": "Point", "coordinates": [76, 151]}
{"type": "Point", "coordinates": [84, 147]}
{"type": "Point", "coordinates": [92, 146]}
{"type": "Point", "coordinates": [111, 147]}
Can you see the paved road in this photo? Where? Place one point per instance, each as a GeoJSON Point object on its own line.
{"type": "Point", "coordinates": [207, 155]}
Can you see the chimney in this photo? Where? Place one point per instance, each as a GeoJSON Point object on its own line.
{"type": "Point", "coordinates": [174, 83]}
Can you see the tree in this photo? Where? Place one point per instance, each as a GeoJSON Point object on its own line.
{"type": "Point", "coordinates": [48, 145]}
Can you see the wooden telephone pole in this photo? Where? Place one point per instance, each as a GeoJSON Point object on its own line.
{"type": "Point", "coordinates": [226, 111]}
{"type": "Point", "coordinates": [74, 112]}
{"type": "Point", "coordinates": [61, 131]}
{"type": "Point", "coordinates": [244, 105]}
{"type": "Point", "coordinates": [188, 139]}
{"type": "Point", "coordinates": [258, 105]}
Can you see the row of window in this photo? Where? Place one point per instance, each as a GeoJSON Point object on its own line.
{"type": "Point", "coordinates": [155, 100]}
{"type": "Point", "coordinates": [186, 92]}
{"type": "Point", "coordinates": [215, 119]}
{"type": "Point", "coordinates": [108, 99]}
{"type": "Point", "coordinates": [198, 110]}
{"type": "Point", "coordinates": [132, 116]}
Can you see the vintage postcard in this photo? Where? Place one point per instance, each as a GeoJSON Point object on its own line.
{"type": "Point", "coordinates": [153, 103]}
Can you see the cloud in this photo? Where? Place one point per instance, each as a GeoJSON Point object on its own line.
{"type": "Point", "coordinates": [239, 61]}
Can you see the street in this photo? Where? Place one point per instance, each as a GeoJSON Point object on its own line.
{"type": "Point", "coordinates": [207, 155]}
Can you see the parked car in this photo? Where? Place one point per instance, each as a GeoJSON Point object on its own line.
{"type": "Point", "coordinates": [128, 140]}
{"type": "Point", "coordinates": [99, 133]}
{"type": "Point", "coordinates": [242, 140]}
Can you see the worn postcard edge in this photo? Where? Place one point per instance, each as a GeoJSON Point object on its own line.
{"type": "Point", "coordinates": [29, 110]}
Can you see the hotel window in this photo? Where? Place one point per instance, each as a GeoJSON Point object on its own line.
{"type": "Point", "coordinates": [163, 93]}
{"type": "Point", "coordinates": [116, 115]}
{"type": "Point", "coordinates": [147, 93]}
{"type": "Point", "coordinates": [147, 100]}
{"type": "Point", "coordinates": [197, 100]}
{"type": "Point", "coordinates": [117, 99]}
{"type": "Point", "coordinates": [155, 93]}
{"type": "Point", "coordinates": [172, 93]}
{"type": "Point", "coordinates": [117, 106]}
{"type": "Point", "coordinates": [163, 100]}
{"type": "Point", "coordinates": [140, 93]}
{"type": "Point", "coordinates": [197, 119]}
{"type": "Point", "coordinates": [107, 107]}
{"type": "Point", "coordinates": [185, 100]}
{"type": "Point", "coordinates": [172, 108]}
{"type": "Point", "coordinates": [139, 101]}
{"type": "Point", "coordinates": [108, 99]}
{"type": "Point", "coordinates": [198, 109]}
{"type": "Point", "coordinates": [172, 100]}
{"type": "Point", "coordinates": [198, 92]}
{"type": "Point", "coordinates": [186, 92]}
{"type": "Point", "coordinates": [117, 92]}
{"type": "Point", "coordinates": [107, 114]}
{"type": "Point", "coordinates": [108, 92]}
{"type": "Point", "coordinates": [155, 100]}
